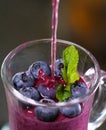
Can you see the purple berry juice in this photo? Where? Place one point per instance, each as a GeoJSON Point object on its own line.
{"type": "Point", "coordinates": [55, 6]}
{"type": "Point", "coordinates": [26, 119]}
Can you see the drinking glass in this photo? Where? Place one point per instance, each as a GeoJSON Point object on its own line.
{"type": "Point", "coordinates": [93, 103]}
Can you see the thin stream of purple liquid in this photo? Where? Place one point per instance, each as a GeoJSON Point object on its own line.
{"type": "Point", "coordinates": [55, 6]}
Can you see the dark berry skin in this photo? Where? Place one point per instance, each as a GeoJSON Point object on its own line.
{"type": "Point", "coordinates": [30, 92]}
{"type": "Point", "coordinates": [49, 92]}
{"type": "Point", "coordinates": [79, 89]}
{"type": "Point", "coordinates": [58, 67]}
{"type": "Point", "coordinates": [38, 66]}
{"type": "Point", "coordinates": [46, 114]}
{"type": "Point", "coordinates": [47, 101]}
{"type": "Point", "coordinates": [23, 79]}
{"type": "Point", "coordinates": [71, 111]}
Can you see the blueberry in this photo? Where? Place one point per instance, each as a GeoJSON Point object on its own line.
{"type": "Point", "coordinates": [71, 111]}
{"type": "Point", "coordinates": [37, 66]}
{"type": "Point", "coordinates": [49, 92]}
{"type": "Point", "coordinates": [23, 79]}
{"type": "Point", "coordinates": [47, 114]}
{"type": "Point", "coordinates": [47, 101]}
{"type": "Point", "coordinates": [79, 89]}
{"type": "Point", "coordinates": [30, 92]}
{"type": "Point", "coordinates": [58, 67]}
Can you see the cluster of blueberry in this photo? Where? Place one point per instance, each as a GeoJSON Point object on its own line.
{"type": "Point", "coordinates": [38, 84]}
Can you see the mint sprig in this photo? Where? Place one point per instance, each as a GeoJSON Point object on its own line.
{"type": "Point", "coordinates": [70, 58]}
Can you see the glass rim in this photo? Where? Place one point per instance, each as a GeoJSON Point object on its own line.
{"type": "Point", "coordinates": [33, 102]}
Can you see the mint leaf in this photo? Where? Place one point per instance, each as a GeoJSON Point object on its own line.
{"type": "Point", "coordinates": [70, 59]}
{"type": "Point", "coordinates": [62, 92]}
{"type": "Point", "coordinates": [69, 72]}
{"type": "Point", "coordinates": [73, 77]}
{"type": "Point", "coordinates": [64, 73]}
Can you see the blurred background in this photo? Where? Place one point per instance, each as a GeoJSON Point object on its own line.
{"type": "Point", "coordinates": [80, 21]}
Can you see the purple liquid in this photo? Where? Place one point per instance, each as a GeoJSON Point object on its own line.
{"type": "Point", "coordinates": [55, 5]}
{"type": "Point", "coordinates": [21, 119]}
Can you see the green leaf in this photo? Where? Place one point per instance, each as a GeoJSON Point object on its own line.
{"type": "Point", "coordinates": [70, 58]}
{"type": "Point", "coordinates": [62, 92]}
{"type": "Point", "coordinates": [69, 72]}
{"type": "Point", "coordinates": [73, 77]}
{"type": "Point", "coordinates": [64, 74]}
